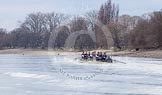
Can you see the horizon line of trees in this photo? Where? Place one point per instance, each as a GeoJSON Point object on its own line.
{"type": "Point", "coordinates": [127, 32]}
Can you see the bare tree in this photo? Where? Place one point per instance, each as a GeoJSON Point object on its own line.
{"type": "Point", "coordinates": [108, 16]}
{"type": "Point", "coordinates": [127, 24]}
{"type": "Point", "coordinates": [83, 41]}
{"type": "Point", "coordinates": [54, 20]}
{"type": "Point", "coordinates": [156, 23]}
{"type": "Point", "coordinates": [91, 18]}
{"type": "Point", "coordinates": [77, 24]}
{"type": "Point", "coordinates": [35, 22]}
{"type": "Point", "coordinates": [2, 37]}
{"type": "Point", "coordinates": [147, 33]}
{"type": "Point", "coordinates": [108, 13]}
{"type": "Point", "coordinates": [63, 33]}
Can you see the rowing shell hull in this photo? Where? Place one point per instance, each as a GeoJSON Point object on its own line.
{"type": "Point", "coordinates": [94, 61]}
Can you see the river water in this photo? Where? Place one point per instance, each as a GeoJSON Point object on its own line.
{"type": "Point", "coordinates": [46, 75]}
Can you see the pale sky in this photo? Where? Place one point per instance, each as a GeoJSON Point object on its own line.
{"type": "Point", "coordinates": [12, 11]}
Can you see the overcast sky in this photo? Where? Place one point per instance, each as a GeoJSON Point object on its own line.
{"type": "Point", "coordinates": [12, 11]}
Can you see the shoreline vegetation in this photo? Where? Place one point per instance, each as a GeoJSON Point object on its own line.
{"type": "Point", "coordinates": [97, 30]}
{"type": "Point", "coordinates": [101, 28]}
{"type": "Point", "coordinates": [141, 53]}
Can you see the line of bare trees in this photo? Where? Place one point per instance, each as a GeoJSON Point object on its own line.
{"type": "Point", "coordinates": [126, 31]}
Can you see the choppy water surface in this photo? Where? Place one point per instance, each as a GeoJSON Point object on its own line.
{"type": "Point", "coordinates": [39, 75]}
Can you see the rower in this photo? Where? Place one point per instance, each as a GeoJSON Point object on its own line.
{"type": "Point", "coordinates": [90, 56]}
{"type": "Point", "coordinates": [100, 56]}
{"type": "Point", "coordinates": [104, 57]}
{"type": "Point", "coordinates": [86, 56]}
{"type": "Point", "coordinates": [82, 55]}
{"type": "Point", "coordinates": [94, 54]}
{"type": "Point", "coordinates": [97, 56]}
{"type": "Point", "coordinates": [108, 59]}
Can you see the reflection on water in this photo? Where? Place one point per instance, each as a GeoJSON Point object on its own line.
{"type": "Point", "coordinates": [39, 75]}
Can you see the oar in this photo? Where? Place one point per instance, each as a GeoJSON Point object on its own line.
{"type": "Point", "coordinates": [119, 61]}
{"type": "Point", "coordinates": [76, 58]}
{"type": "Point", "coordinates": [79, 59]}
{"type": "Point", "coordinates": [111, 58]}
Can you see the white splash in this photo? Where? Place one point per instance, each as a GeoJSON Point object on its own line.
{"type": "Point", "coordinates": [26, 75]}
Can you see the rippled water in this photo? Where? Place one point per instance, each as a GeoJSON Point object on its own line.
{"type": "Point", "coordinates": [45, 75]}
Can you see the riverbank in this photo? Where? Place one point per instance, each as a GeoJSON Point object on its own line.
{"type": "Point", "coordinates": [36, 52]}
{"type": "Point", "coordinates": [24, 51]}
{"type": "Point", "coordinates": [148, 54]}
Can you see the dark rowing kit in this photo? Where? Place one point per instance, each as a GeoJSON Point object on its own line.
{"type": "Point", "coordinates": [101, 57]}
